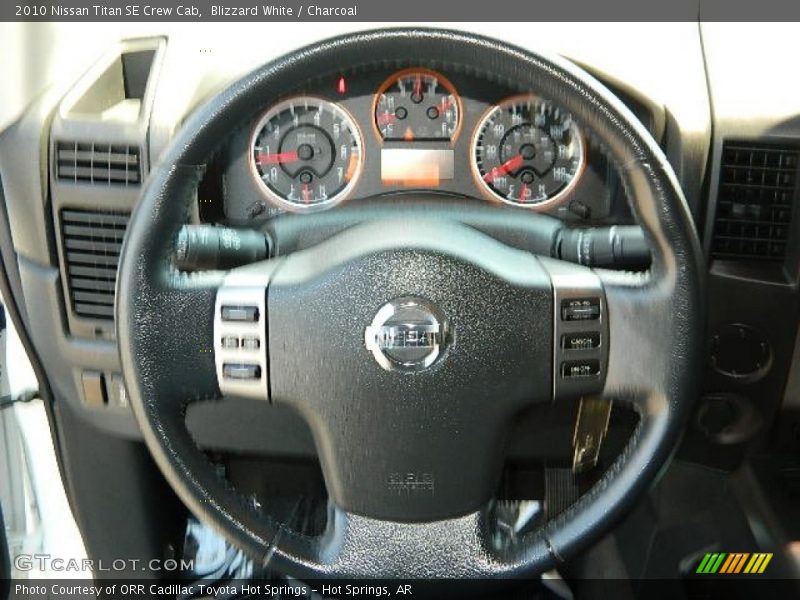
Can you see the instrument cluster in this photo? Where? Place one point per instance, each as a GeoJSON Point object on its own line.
{"type": "Point", "coordinates": [378, 132]}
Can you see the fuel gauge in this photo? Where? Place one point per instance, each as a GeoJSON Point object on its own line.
{"type": "Point", "coordinates": [417, 105]}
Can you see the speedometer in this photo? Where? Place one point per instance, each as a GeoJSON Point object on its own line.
{"type": "Point", "coordinates": [306, 154]}
{"type": "Point", "coordinates": [527, 152]}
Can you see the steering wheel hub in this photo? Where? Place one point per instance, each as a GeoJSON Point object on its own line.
{"type": "Point", "coordinates": [407, 334]}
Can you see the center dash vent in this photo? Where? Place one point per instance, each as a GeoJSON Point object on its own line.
{"type": "Point", "coordinates": [757, 188]}
{"type": "Point", "coordinates": [91, 243]}
{"type": "Point", "coordinates": [98, 163]}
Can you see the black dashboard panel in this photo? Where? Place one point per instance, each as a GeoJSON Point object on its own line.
{"type": "Point", "coordinates": [594, 197]}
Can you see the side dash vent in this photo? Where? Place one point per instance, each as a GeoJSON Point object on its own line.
{"type": "Point", "coordinates": [757, 188]}
{"type": "Point", "coordinates": [91, 246]}
{"type": "Point", "coordinates": [98, 163]}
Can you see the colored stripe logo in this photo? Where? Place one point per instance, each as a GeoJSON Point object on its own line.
{"type": "Point", "coordinates": [734, 563]}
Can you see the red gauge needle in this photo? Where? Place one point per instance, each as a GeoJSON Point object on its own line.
{"type": "Point", "coordinates": [306, 193]}
{"type": "Point", "coordinates": [523, 192]}
{"type": "Point", "coordinates": [511, 164]}
{"type": "Point", "coordinates": [277, 158]}
{"type": "Point", "coordinates": [418, 86]}
{"type": "Point", "coordinates": [386, 118]}
{"type": "Point", "coordinates": [446, 104]}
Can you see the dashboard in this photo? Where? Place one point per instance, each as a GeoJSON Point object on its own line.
{"type": "Point", "coordinates": [682, 80]}
{"type": "Point", "coordinates": [669, 85]}
{"type": "Point", "coordinates": [382, 132]}
{"type": "Point", "coordinates": [717, 134]}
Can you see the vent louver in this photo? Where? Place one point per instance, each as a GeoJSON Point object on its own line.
{"type": "Point", "coordinates": [91, 243]}
{"type": "Point", "coordinates": [754, 207]}
{"type": "Point", "coordinates": [98, 163]}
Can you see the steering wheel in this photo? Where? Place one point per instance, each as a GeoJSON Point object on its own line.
{"type": "Point", "coordinates": [411, 444]}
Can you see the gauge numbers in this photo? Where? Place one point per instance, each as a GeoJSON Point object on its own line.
{"type": "Point", "coordinates": [306, 154]}
{"type": "Point", "coordinates": [417, 105]}
{"type": "Point", "coordinates": [527, 152]}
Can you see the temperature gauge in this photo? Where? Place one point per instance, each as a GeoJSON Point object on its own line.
{"type": "Point", "coordinates": [417, 105]}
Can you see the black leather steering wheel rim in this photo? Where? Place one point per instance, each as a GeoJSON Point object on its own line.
{"type": "Point", "coordinates": [656, 321]}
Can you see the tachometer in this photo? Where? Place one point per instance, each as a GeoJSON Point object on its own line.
{"type": "Point", "coordinates": [306, 153]}
{"type": "Point", "coordinates": [418, 105]}
{"type": "Point", "coordinates": [527, 152]}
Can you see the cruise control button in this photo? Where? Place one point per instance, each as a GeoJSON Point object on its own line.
{"type": "Point", "coordinates": [241, 371]}
{"type": "Point", "coordinates": [247, 314]}
{"type": "Point", "coordinates": [586, 340]}
{"type": "Point", "coordinates": [251, 343]}
{"type": "Point", "coordinates": [230, 341]}
{"type": "Point", "coordinates": [584, 309]}
{"type": "Point", "coordinates": [579, 368]}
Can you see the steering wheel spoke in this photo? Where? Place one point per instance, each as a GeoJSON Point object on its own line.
{"type": "Point", "coordinates": [643, 322]}
{"type": "Point", "coordinates": [468, 546]}
{"type": "Point", "coordinates": [177, 320]}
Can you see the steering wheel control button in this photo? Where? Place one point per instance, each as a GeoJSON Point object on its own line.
{"type": "Point", "coordinates": [251, 343]}
{"type": "Point", "coordinates": [247, 314]}
{"type": "Point", "coordinates": [582, 340]}
{"type": "Point", "coordinates": [240, 332]}
{"type": "Point", "coordinates": [407, 334]}
{"type": "Point", "coordinates": [580, 368]}
{"type": "Point", "coordinates": [583, 309]}
{"type": "Point", "coordinates": [241, 371]}
{"type": "Point", "coordinates": [580, 320]}
{"type": "Point", "coordinates": [230, 341]}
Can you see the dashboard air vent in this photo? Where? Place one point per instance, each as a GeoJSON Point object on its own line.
{"type": "Point", "coordinates": [92, 242]}
{"type": "Point", "coordinates": [98, 163]}
{"type": "Point", "coordinates": [757, 188]}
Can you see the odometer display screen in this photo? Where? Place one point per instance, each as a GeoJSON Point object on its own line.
{"type": "Point", "coordinates": [416, 166]}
